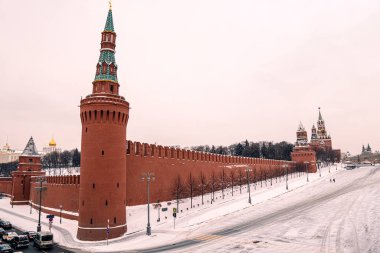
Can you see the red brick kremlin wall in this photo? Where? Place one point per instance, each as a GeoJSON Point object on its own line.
{"type": "Point", "coordinates": [60, 190]}
{"type": "Point", "coordinates": [166, 163]}
{"type": "Point", "coordinates": [6, 185]}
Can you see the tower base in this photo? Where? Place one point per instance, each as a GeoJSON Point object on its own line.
{"type": "Point", "coordinates": [99, 234]}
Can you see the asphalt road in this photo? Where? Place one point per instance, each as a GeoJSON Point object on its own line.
{"type": "Point", "coordinates": [283, 214]}
{"type": "Point", "coordinates": [55, 249]}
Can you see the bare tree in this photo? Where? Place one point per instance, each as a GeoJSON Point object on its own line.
{"type": "Point", "coordinates": [203, 184]}
{"type": "Point", "coordinates": [178, 189]}
{"type": "Point", "coordinates": [240, 179]}
{"type": "Point", "coordinates": [232, 178]}
{"type": "Point", "coordinates": [213, 183]}
{"type": "Point", "coordinates": [191, 184]}
{"type": "Point", "coordinates": [222, 177]}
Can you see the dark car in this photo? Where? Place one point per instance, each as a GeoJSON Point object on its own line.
{"type": "Point", "coordinates": [2, 231]}
{"type": "Point", "coordinates": [5, 224]}
{"type": "Point", "coordinates": [21, 241]}
{"type": "Point", "coordinates": [5, 248]}
{"type": "Point", "coordinates": [30, 235]}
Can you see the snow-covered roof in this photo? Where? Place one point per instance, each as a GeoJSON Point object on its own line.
{"type": "Point", "coordinates": [300, 128]}
{"type": "Point", "coordinates": [30, 149]}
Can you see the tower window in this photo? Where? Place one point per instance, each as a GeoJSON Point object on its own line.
{"type": "Point", "coordinates": [102, 152]}
{"type": "Point", "coordinates": [117, 185]}
{"type": "Point", "coordinates": [106, 202]}
{"type": "Point", "coordinates": [114, 220]}
{"type": "Point", "coordinates": [111, 88]}
{"type": "Point", "coordinates": [91, 221]}
{"type": "Point", "coordinates": [82, 202]}
{"type": "Point", "coordinates": [93, 186]}
{"type": "Point", "coordinates": [86, 129]}
{"type": "Point", "coordinates": [30, 160]}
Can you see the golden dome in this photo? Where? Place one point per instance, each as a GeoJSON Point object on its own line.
{"type": "Point", "coordinates": [52, 143]}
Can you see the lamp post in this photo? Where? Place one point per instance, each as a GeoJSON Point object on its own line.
{"type": "Point", "coordinates": [286, 168]}
{"type": "Point", "coordinates": [60, 214]}
{"type": "Point", "coordinates": [336, 163]}
{"type": "Point", "coordinates": [40, 180]}
{"type": "Point", "coordinates": [248, 170]}
{"type": "Point", "coordinates": [307, 171]}
{"type": "Point", "coordinates": [319, 167]}
{"type": "Point", "coordinates": [148, 176]}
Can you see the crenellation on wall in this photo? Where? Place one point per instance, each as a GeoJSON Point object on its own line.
{"type": "Point", "coordinates": [153, 149]}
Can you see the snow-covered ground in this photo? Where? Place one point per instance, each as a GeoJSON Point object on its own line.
{"type": "Point", "coordinates": [310, 217]}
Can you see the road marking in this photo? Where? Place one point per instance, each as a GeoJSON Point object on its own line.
{"type": "Point", "coordinates": [209, 237]}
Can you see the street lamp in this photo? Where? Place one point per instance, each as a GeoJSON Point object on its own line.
{"type": "Point", "coordinates": [40, 180]}
{"type": "Point", "coordinates": [60, 215]}
{"type": "Point", "coordinates": [336, 163]}
{"type": "Point", "coordinates": [148, 176]}
{"type": "Point", "coordinates": [248, 170]}
{"type": "Point", "coordinates": [307, 171]}
{"type": "Point", "coordinates": [286, 168]}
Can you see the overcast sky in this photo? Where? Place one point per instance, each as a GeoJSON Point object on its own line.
{"type": "Point", "coordinates": [197, 71]}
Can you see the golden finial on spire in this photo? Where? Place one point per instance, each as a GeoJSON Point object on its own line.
{"type": "Point", "coordinates": [110, 3]}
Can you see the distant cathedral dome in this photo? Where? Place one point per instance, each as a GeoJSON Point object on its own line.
{"type": "Point", "coordinates": [52, 143]}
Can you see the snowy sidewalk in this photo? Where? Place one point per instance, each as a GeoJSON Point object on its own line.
{"type": "Point", "coordinates": [163, 232]}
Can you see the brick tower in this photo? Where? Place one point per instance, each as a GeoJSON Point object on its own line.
{"type": "Point", "coordinates": [29, 166]}
{"type": "Point", "coordinates": [104, 116]}
{"type": "Point", "coordinates": [302, 151]}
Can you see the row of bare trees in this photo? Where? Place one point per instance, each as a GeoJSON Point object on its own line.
{"type": "Point", "coordinates": [200, 184]}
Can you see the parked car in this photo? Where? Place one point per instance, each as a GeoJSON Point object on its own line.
{"type": "Point", "coordinates": [30, 235]}
{"type": "Point", "coordinates": [5, 224]}
{"type": "Point", "coordinates": [8, 235]}
{"type": "Point", "coordinates": [21, 241]}
{"type": "Point", "coordinates": [5, 248]}
{"type": "Point", "coordinates": [43, 240]}
{"type": "Point", "coordinates": [2, 231]}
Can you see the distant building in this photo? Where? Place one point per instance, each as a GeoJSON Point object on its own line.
{"type": "Point", "coordinates": [302, 153]}
{"type": "Point", "coordinates": [51, 148]}
{"type": "Point", "coordinates": [367, 150]}
{"type": "Point", "coordinates": [320, 143]}
{"type": "Point", "coordinates": [8, 155]}
{"type": "Point", "coordinates": [320, 139]}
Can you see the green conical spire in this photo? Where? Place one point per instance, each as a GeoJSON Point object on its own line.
{"type": "Point", "coordinates": [109, 22]}
{"type": "Point", "coordinates": [107, 54]}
